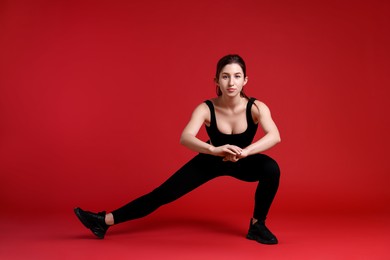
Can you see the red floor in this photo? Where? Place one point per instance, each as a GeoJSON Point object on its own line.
{"type": "Point", "coordinates": [204, 237]}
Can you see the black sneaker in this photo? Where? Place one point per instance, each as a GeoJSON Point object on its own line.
{"type": "Point", "coordinates": [95, 222]}
{"type": "Point", "coordinates": [261, 233]}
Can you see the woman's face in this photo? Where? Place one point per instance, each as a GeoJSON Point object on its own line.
{"type": "Point", "coordinates": [231, 80]}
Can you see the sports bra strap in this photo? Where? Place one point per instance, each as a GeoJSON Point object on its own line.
{"type": "Point", "coordinates": [249, 117]}
{"type": "Point", "coordinates": [212, 113]}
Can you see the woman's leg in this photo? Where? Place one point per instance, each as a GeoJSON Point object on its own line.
{"type": "Point", "coordinates": [265, 170]}
{"type": "Point", "coordinates": [196, 172]}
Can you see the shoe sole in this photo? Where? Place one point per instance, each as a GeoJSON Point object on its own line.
{"type": "Point", "coordinates": [257, 239]}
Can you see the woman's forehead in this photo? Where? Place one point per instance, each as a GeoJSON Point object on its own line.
{"type": "Point", "coordinates": [232, 68]}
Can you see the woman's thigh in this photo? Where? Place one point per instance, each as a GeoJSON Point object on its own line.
{"type": "Point", "coordinates": [255, 168]}
{"type": "Point", "coordinates": [201, 169]}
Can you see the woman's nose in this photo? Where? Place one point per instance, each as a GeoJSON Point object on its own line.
{"type": "Point", "coordinates": [231, 82]}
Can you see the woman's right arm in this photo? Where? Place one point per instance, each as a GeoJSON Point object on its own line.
{"type": "Point", "coordinates": [188, 137]}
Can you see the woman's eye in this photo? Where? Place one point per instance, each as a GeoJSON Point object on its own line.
{"type": "Point", "coordinates": [224, 77]}
{"type": "Point", "coordinates": [238, 76]}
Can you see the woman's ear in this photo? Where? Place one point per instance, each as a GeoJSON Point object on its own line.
{"type": "Point", "coordinates": [245, 80]}
{"type": "Point", "coordinates": [216, 81]}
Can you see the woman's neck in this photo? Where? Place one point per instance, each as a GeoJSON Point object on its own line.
{"type": "Point", "coordinates": [231, 102]}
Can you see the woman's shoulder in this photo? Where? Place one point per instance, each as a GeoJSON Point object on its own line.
{"type": "Point", "coordinates": [257, 102]}
{"type": "Point", "coordinates": [260, 104]}
{"type": "Point", "coordinates": [259, 109]}
{"type": "Point", "coordinates": [202, 108]}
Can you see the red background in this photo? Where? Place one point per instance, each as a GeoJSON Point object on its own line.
{"type": "Point", "coordinates": [94, 95]}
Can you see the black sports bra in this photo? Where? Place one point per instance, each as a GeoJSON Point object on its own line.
{"type": "Point", "coordinates": [242, 139]}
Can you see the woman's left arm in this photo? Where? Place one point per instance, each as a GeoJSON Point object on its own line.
{"type": "Point", "coordinates": [271, 137]}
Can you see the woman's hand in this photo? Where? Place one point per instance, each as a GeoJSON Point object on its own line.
{"type": "Point", "coordinates": [235, 158]}
{"type": "Point", "coordinates": [226, 150]}
{"type": "Point", "coordinates": [230, 158]}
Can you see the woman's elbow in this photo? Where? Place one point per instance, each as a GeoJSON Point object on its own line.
{"type": "Point", "coordinates": [277, 139]}
{"type": "Point", "coordinates": [183, 139]}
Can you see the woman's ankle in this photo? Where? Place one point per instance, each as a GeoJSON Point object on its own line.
{"type": "Point", "coordinates": [109, 219]}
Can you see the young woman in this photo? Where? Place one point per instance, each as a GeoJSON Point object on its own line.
{"type": "Point", "coordinates": [231, 120]}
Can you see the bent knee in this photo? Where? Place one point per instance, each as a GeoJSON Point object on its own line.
{"type": "Point", "coordinates": [269, 167]}
{"type": "Point", "coordinates": [272, 167]}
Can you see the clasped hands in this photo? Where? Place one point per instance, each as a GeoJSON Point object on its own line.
{"type": "Point", "coordinates": [231, 153]}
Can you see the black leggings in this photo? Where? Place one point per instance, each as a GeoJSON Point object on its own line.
{"type": "Point", "coordinates": [201, 169]}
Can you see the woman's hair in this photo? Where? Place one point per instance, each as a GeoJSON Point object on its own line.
{"type": "Point", "coordinates": [230, 59]}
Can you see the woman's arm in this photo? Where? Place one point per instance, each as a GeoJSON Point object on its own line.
{"type": "Point", "coordinates": [271, 137]}
{"type": "Point", "coordinates": [188, 137]}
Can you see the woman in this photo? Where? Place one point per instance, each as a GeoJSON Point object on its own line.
{"type": "Point", "coordinates": [231, 121]}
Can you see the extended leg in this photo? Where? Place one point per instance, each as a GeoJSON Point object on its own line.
{"type": "Point", "coordinates": [193, 174]}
